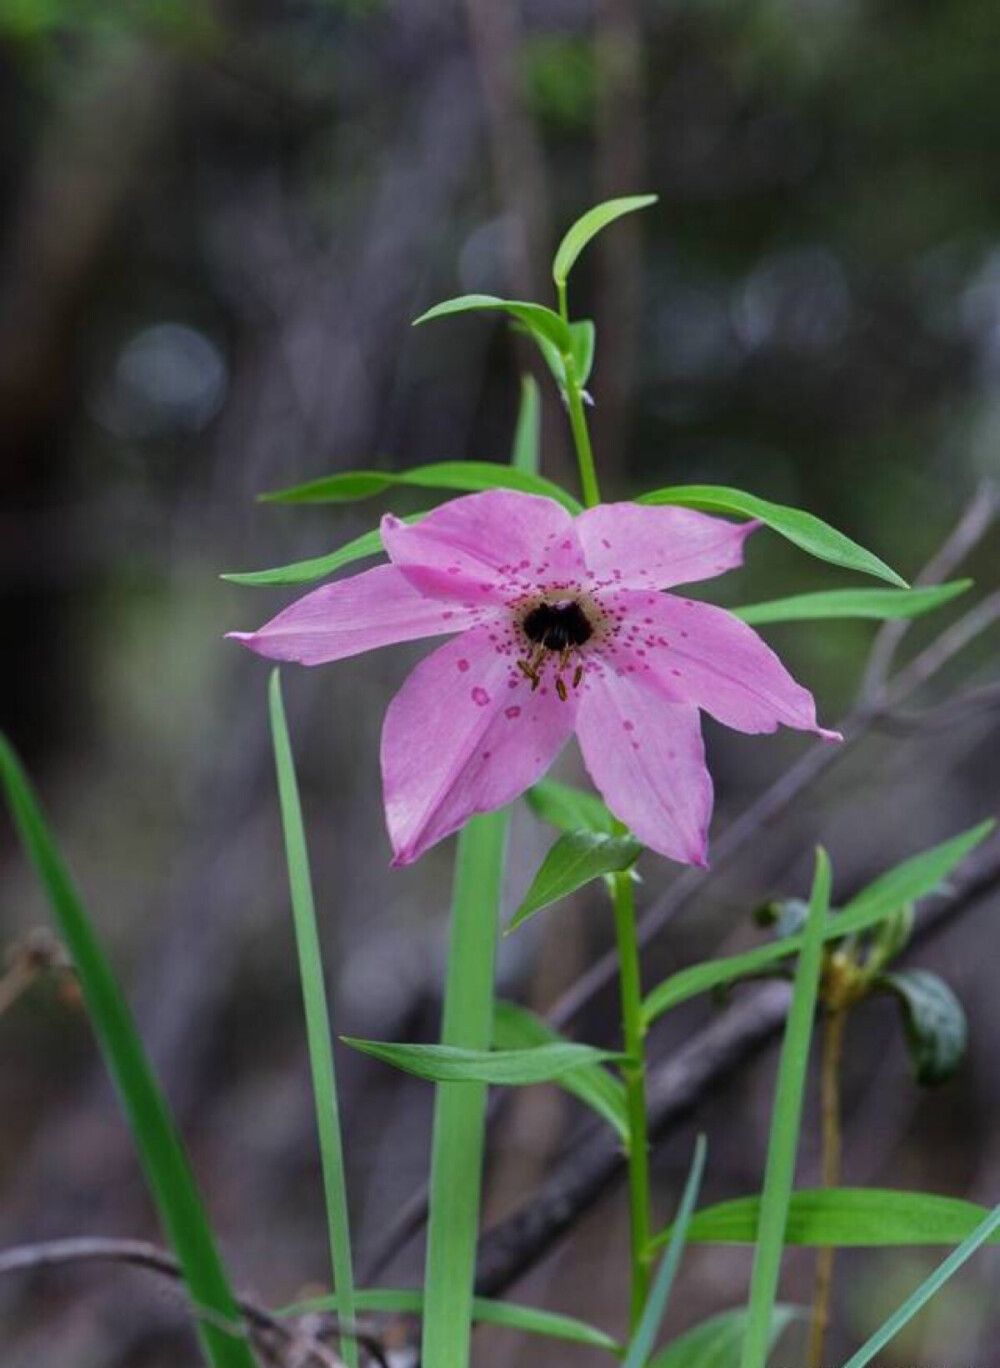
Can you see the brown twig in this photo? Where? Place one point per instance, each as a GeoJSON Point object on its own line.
{"type": "Point", "coordinates": [833, 1052]}
{"type": "Point", "coordinates": [257, 1320]}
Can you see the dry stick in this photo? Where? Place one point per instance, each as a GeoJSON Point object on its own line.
{"type": "Point", "coordinates": [833, 1053]}
{"type": "Point", "coordinates": [969, 530]}
{"type": "Point", "coordinates": [141, 1254]}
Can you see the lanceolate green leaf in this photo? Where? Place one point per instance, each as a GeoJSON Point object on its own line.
{"type": "Point", "coordinates": [927, 1289]}
{"type": "Point", "coordinates": [528, 1320]}
{"type": "Point", "coordinates": [715, 1343]}
{"type": "Point", "coordinates": [317, 1017]}
{"type": "Point", "coordinates": [539, 320]}
{"type": "Point", "coordinates": [516, 1028]}
{"type": "Point", "coordinates": [804, 529]}
{"type": "Point", "coordinates": [349, 486]}
{"type": "Point", "coordinates": [460, 1109]}
{"type": "Point", "coordinates": [304, 572]}
{"type": "Point", "coordinates": [156, 1140]}
{"type": "Point", "coordinates": [937, 1033]}
{"type": "Point", "coordinates": [569, 808]}
{"type": "Point", "coordinates": [878, 604]}
{"type": "Point", "coordinates": [844, 1218]}
{"type": "Point", "coordinates": [588, 226]}
{"type": "Point", "coordinates": [576, 858]}
{"type": "Point", "coordinates": [913, 879]}
{"type": "Point", "coordinates": [641, 1345]}
{"type": "Point", "coordinates": [786, 1118]}
{"type": "Point", "coordinates": [449, 1064]}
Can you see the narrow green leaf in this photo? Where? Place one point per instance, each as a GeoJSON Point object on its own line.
{"type": "Point", "coordinates": [569, 808]}
{"type": "Point", "coordinates": [317, 1015]}
{"type": "Point", "coordinates": [400, 1301]}
{"type": "Point", "coordinates": [304, 572]}
{"type": "Point", "coordinates": [510, 1068]}
{"type": "Point", "coordinates": [715, 1343]}
{"type": "Point", "coordinates": [516, 1028]}
{"type": "Point", "coordinates": [156, 1139]}
{"type": "Point", "coordinates": [879, 604]}
{"type": "Point", "coordinates": [909, 881]}
{"type": "Point", "coordinates": [786, 1119]}
{"type": "Point", "coordinates": [844, 1218]}
{"type": "Point", "coordinates": [588, 226]}
{"type": "Point", "coordinates": [348, 486]}
{"type": "Point", "coordinates": [576, 858]}
{"type": "Point", "coordinates": [937, 1033]}
{"type": "Point", "coordinates": [526, 455]}
{"type": "Point", "coordinates": [460, 1109]}
{"type": "Point", "coordinates": [804, 529]}
{"type": "Point", "coordinates": [539, 320]}
{"type": "Point", "coordinates": [927, 1289]}
{"type": "Point", "coordinates": [641, 1345]}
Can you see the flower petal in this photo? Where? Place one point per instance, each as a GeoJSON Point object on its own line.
{"type": "Point", "coordinates": [492, 547]}
{"type": "Point", "coordinates": [465, 734]}
{"type": "Point", "coordinates": [641, 547]}
{"type": "Point", "coordinates": [647, 758]}
{"type": "Point", "coordinates": [701, 654]}
{"type": "Point", "coordinates": [376, 608]}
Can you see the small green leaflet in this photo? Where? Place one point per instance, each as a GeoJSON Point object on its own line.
{"type": "Point", "coordinates": [937, 1033]}
{"type": "Point", "coordinates": [515, 1028]}
{"type": "Point", "coordinates": [576, 858]}
{"type": "Point", "coordinates": [488, 1312]}
{"type": "Point", "coordinates": [914, 878]}
{"type": "Point", "coordinates": [582, 341]}
{"type": "Point", "coordinates": [569, 808]}
{"type": "Point", "coordinates": [715, 1343]}
{"type": "Point", "coordinates": [540, 321]}
{"type": "Point", "coordinates": [641, 1345]}
{"type": "Point", "coordinates": [511, 1068]}
{"type": "Point", "coordinates": [804, 529]}
{"type": "Point", "coordinates": [588, 226]}
{"type": "Point", "coordinates": [349, 486]}
{"type": "Point", "coordinates": [877, 604]}
{"type": "Point", "coordinates": [844, 1218]}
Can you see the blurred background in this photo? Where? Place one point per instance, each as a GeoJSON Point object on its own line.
{"type": "Point", "coordinates": [216, 225]}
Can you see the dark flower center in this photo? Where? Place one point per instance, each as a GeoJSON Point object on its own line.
{"type": "Point", "coordinates": [558, 626]}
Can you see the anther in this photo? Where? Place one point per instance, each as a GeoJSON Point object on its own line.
{"type": "Point", "coordinates": [561, 689]}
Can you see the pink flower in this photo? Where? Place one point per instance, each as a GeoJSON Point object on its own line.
{"type": "Point", "coordinates": [562, 627]}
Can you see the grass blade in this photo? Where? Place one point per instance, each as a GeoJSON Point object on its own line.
{"type": "Point", "coordinates": [786, 1118]}
{"type": "Point", "coordinates": [641, 1345]}
{"type": "Point", "coordinates": [527, 450]}
{"type": "Point", "coordinates": [156, 1139]}
{"type": "Point", "coordinates": [321, 1061]}
{"type": "Point", "coordinates": [927, 1289]}
{"type": "Point", "coordinates": [460, 1111]}
{"type": "Point", "coordinates": [715, 1343]}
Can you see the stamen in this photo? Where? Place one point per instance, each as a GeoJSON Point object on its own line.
{"type": "Point", "coordinates": [577, 676]}
{"type": "Point", "coordinates": [561, 688]}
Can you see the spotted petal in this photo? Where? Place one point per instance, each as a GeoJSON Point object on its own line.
{"type": "Point", "coordinates": [646, 756]}
{"type": "Point", "coordinates": [492, 547]}
{"type": "Point", "coordinates": [465, 734]}
{"type": "Point", "coordinates": [641, 547]}
{"type": "Point", "coordinates": [376, 608]}
{"type": "Point", "coordinates": [702, 655]}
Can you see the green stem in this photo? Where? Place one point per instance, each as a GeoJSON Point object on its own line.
{"type": "Point", "coordinates": [581, 438]}
{"type": "Point", "coordinates": [634, 1074]}
{"type": "Point", "coordinates": [460, 1109]}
